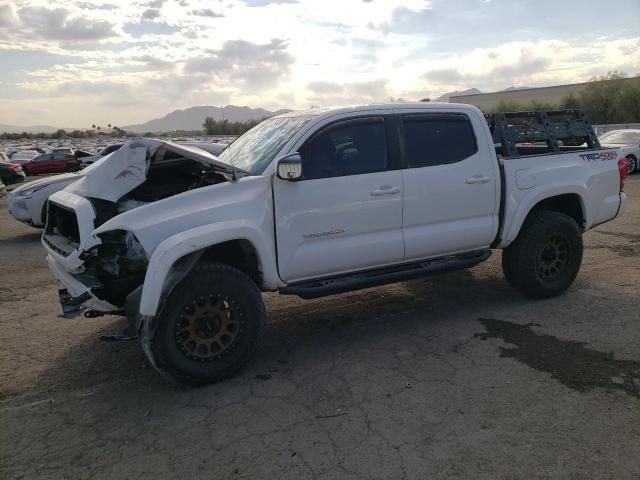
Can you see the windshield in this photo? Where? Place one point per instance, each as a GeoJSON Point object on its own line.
{"type": "Point", "coordinates": [254, 151]}
{"type": "Point", "coordinates": [621, 138]}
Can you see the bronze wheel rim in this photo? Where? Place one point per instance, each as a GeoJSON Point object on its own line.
{"type": "Point", "coordinates": [553, 256]}
{"type": "Point", "coordinates": [208, 328]}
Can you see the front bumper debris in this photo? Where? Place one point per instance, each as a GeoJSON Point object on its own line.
{"type": "Point", "coordinates": [75, 297]}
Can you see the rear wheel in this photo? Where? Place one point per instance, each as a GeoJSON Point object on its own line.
{"type": "Point", "coordinates": [632, 164]}
{"type": "Point", "coordinates": [546, 257]}
{"type": "Point", "coordinates": [26, 171]}
{"type": "Point", "coordinates": [210, 325]}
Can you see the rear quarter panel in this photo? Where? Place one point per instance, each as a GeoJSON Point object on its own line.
{"type": "Point", "coordinates": [592, 175]}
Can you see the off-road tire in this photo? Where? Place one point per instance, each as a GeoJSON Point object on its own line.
{"type": "Point", "coordinates": [522, 260]}
{"type": "Point", "coordinates": [208, 281]}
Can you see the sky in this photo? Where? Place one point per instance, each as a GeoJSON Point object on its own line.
{"type": "Point", "coordinates": [75, 63]}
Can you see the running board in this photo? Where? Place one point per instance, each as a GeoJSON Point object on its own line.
{"type": "Point", "coordinates": [381, 276]}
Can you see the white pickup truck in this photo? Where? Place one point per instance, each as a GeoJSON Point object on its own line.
{"type": "Point", "coordinates": [320, 202]}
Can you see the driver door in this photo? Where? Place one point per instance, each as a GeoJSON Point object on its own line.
{"type": "Point", "coordinates": [346, 212]}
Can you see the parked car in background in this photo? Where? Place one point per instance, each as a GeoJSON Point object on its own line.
{"type": "Point", "coordinates": [3, 189]}
{"type": "Point", "coordinates": [628, 141]}
{"type": "Point", "coordinates": [67, 150]}
{"type": "Point", "coordinates": [213, 148]}
{"type": "Point", "coordinates": [23, 156]}
{"type": "Point", "coordinates": [88, 160]}
{"type": "Point", "coordinates": [28, 203]}
{"type": "Point", "coordinates": [10, 172]}
{"type": "Point", "coordinates": [52, 163]}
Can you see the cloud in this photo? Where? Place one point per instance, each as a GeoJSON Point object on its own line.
{"type": "Point", "coordinates": [206, 12]}
{"type": "Point", "coordinates": [264, 3]}
{"type": "Point", "coordinates": [58, 24]}
{"type": "Point", "coordinates": [254, 65]}
{"type": "Point", "coordinates": [406, 21]}
{"type": "Point", "coordinates": [150, 14]}
{"type": "Point", "coordinates": [325, 93]}
{"type": "Point", "coordinates": [144, 27]}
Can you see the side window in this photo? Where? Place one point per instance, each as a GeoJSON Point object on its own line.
{"type": "Point", "coordinates": [44, 158]}
{"type": "Point", "coordinates": [352, 148]}
{"type": "Point", "coordinates": [438, 140]}
{"type": "Point", "coordinates": [59, 156]}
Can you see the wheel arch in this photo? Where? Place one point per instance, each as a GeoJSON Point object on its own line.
{"type": "Point", "coordinates": [571, 204]}
{"type": "Point", "coordinates": [241, 247]}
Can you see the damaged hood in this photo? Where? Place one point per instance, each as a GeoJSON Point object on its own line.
{"type": "Point", "coordinates": [118, 173]}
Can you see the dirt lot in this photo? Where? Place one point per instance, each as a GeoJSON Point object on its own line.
{"type": "Point", "coordinates": [454, 376]}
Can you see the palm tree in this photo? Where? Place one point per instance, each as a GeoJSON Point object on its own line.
{"type": "Point", "coordinates": [109, 128]}
{"type": "Point", "coordinates": [98, 127]}
{"type": "Point", "coordinates": [94, 127]}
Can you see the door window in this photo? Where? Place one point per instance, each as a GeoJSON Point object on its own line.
{"type": "Point", "coordinates": [346, 149]}
{"type": "Point", "coordinates": [437, 139]}
{"type": "Point", "coordinates": [44, 158]}
{"type": "Point", "coordinates": [60, 156]}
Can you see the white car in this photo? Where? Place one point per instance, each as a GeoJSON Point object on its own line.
{"type": "Point", "coordinates": [27, 203]}
{"type": "Point", "coordinates": [23, 156]}
{"type": "Point", "coordinates": [628, 141]}
{"type": "Point", "coordinates": [85, 161]}
{"type": "Point", "coordinates": [213, 148]}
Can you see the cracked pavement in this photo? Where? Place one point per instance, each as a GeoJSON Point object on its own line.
{"type": "Point", "coordinates": [453, 376]}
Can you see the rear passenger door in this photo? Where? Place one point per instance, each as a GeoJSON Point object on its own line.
{"type": "Point", "coordinates": [451, 197]}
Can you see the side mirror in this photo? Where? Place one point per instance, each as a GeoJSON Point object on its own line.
{"type": "Point", "coordinates": [290, 167]}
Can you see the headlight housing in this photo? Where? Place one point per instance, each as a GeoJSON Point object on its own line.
{"type": "Point", "coordinates": [32, 190]}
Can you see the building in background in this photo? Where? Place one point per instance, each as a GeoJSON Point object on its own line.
{"type": "Point", "coordinates": [488, 102]}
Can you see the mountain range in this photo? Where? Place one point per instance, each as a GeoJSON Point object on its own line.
{"type": "Point", "coordinates": [192, 118]}
{"type": "Point", "coordinates": [29, 128]}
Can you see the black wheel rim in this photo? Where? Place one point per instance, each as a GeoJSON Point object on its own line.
{"type": "Point", "coordinates": [553, 257]}
{"type": "Point", "coordinates": [208, 328]}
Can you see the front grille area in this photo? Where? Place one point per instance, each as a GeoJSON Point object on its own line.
{"type": "Point", "coordinates": [62, 221]}
{"type": "Point", "coordinates": [55, 248]}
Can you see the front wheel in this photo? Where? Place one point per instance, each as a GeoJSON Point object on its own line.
{"type": "Point", "coordinates": [210, 325]}
{"type": "Point", "coordinates": [632, 164]}
{"type": "Point", "coordinates": [546, 257]}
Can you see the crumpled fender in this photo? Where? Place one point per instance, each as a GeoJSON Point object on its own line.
{"type": "Point", "coordinates": [169, 251]}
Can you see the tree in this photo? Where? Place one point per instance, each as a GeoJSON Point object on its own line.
{"type": "Point", "coordinates": [600, 97]}
{"type": "Point", "coordinates": [628, 101]}
{"type": "Point", "coordinates": [109, 125]}
{"type": "Point", "coordinates": [59, 134]}
{"type": "Point", "coordinates": [94, 127]}
{"type": "Point", "coordinates": [569, 102]}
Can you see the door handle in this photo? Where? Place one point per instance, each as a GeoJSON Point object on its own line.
{"type": "Point", "coordinates": [385, 190]}
{"type": "Point", "coordinates": [477, 179]}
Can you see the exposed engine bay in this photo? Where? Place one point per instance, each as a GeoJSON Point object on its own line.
{"type": "Point", "coordinates": [140, 173]}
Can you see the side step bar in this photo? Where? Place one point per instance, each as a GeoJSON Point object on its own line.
{"type": "Point", "coordinates": [381, 276]}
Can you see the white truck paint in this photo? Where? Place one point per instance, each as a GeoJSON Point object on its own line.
{"type": "Point", "coordinates": [314, 229]}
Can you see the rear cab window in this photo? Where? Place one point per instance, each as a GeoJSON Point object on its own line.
{"type": "Point", "coordinates": [437, 139]}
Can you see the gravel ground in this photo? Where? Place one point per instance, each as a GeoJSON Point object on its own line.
{"type": "Point", "coordinates": [455, 376]}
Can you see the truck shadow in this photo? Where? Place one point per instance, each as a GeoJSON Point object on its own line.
{"type": "Point", "coordinates": [303, 340]}
{"type": "Point", "coordinates": [297, 326]}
